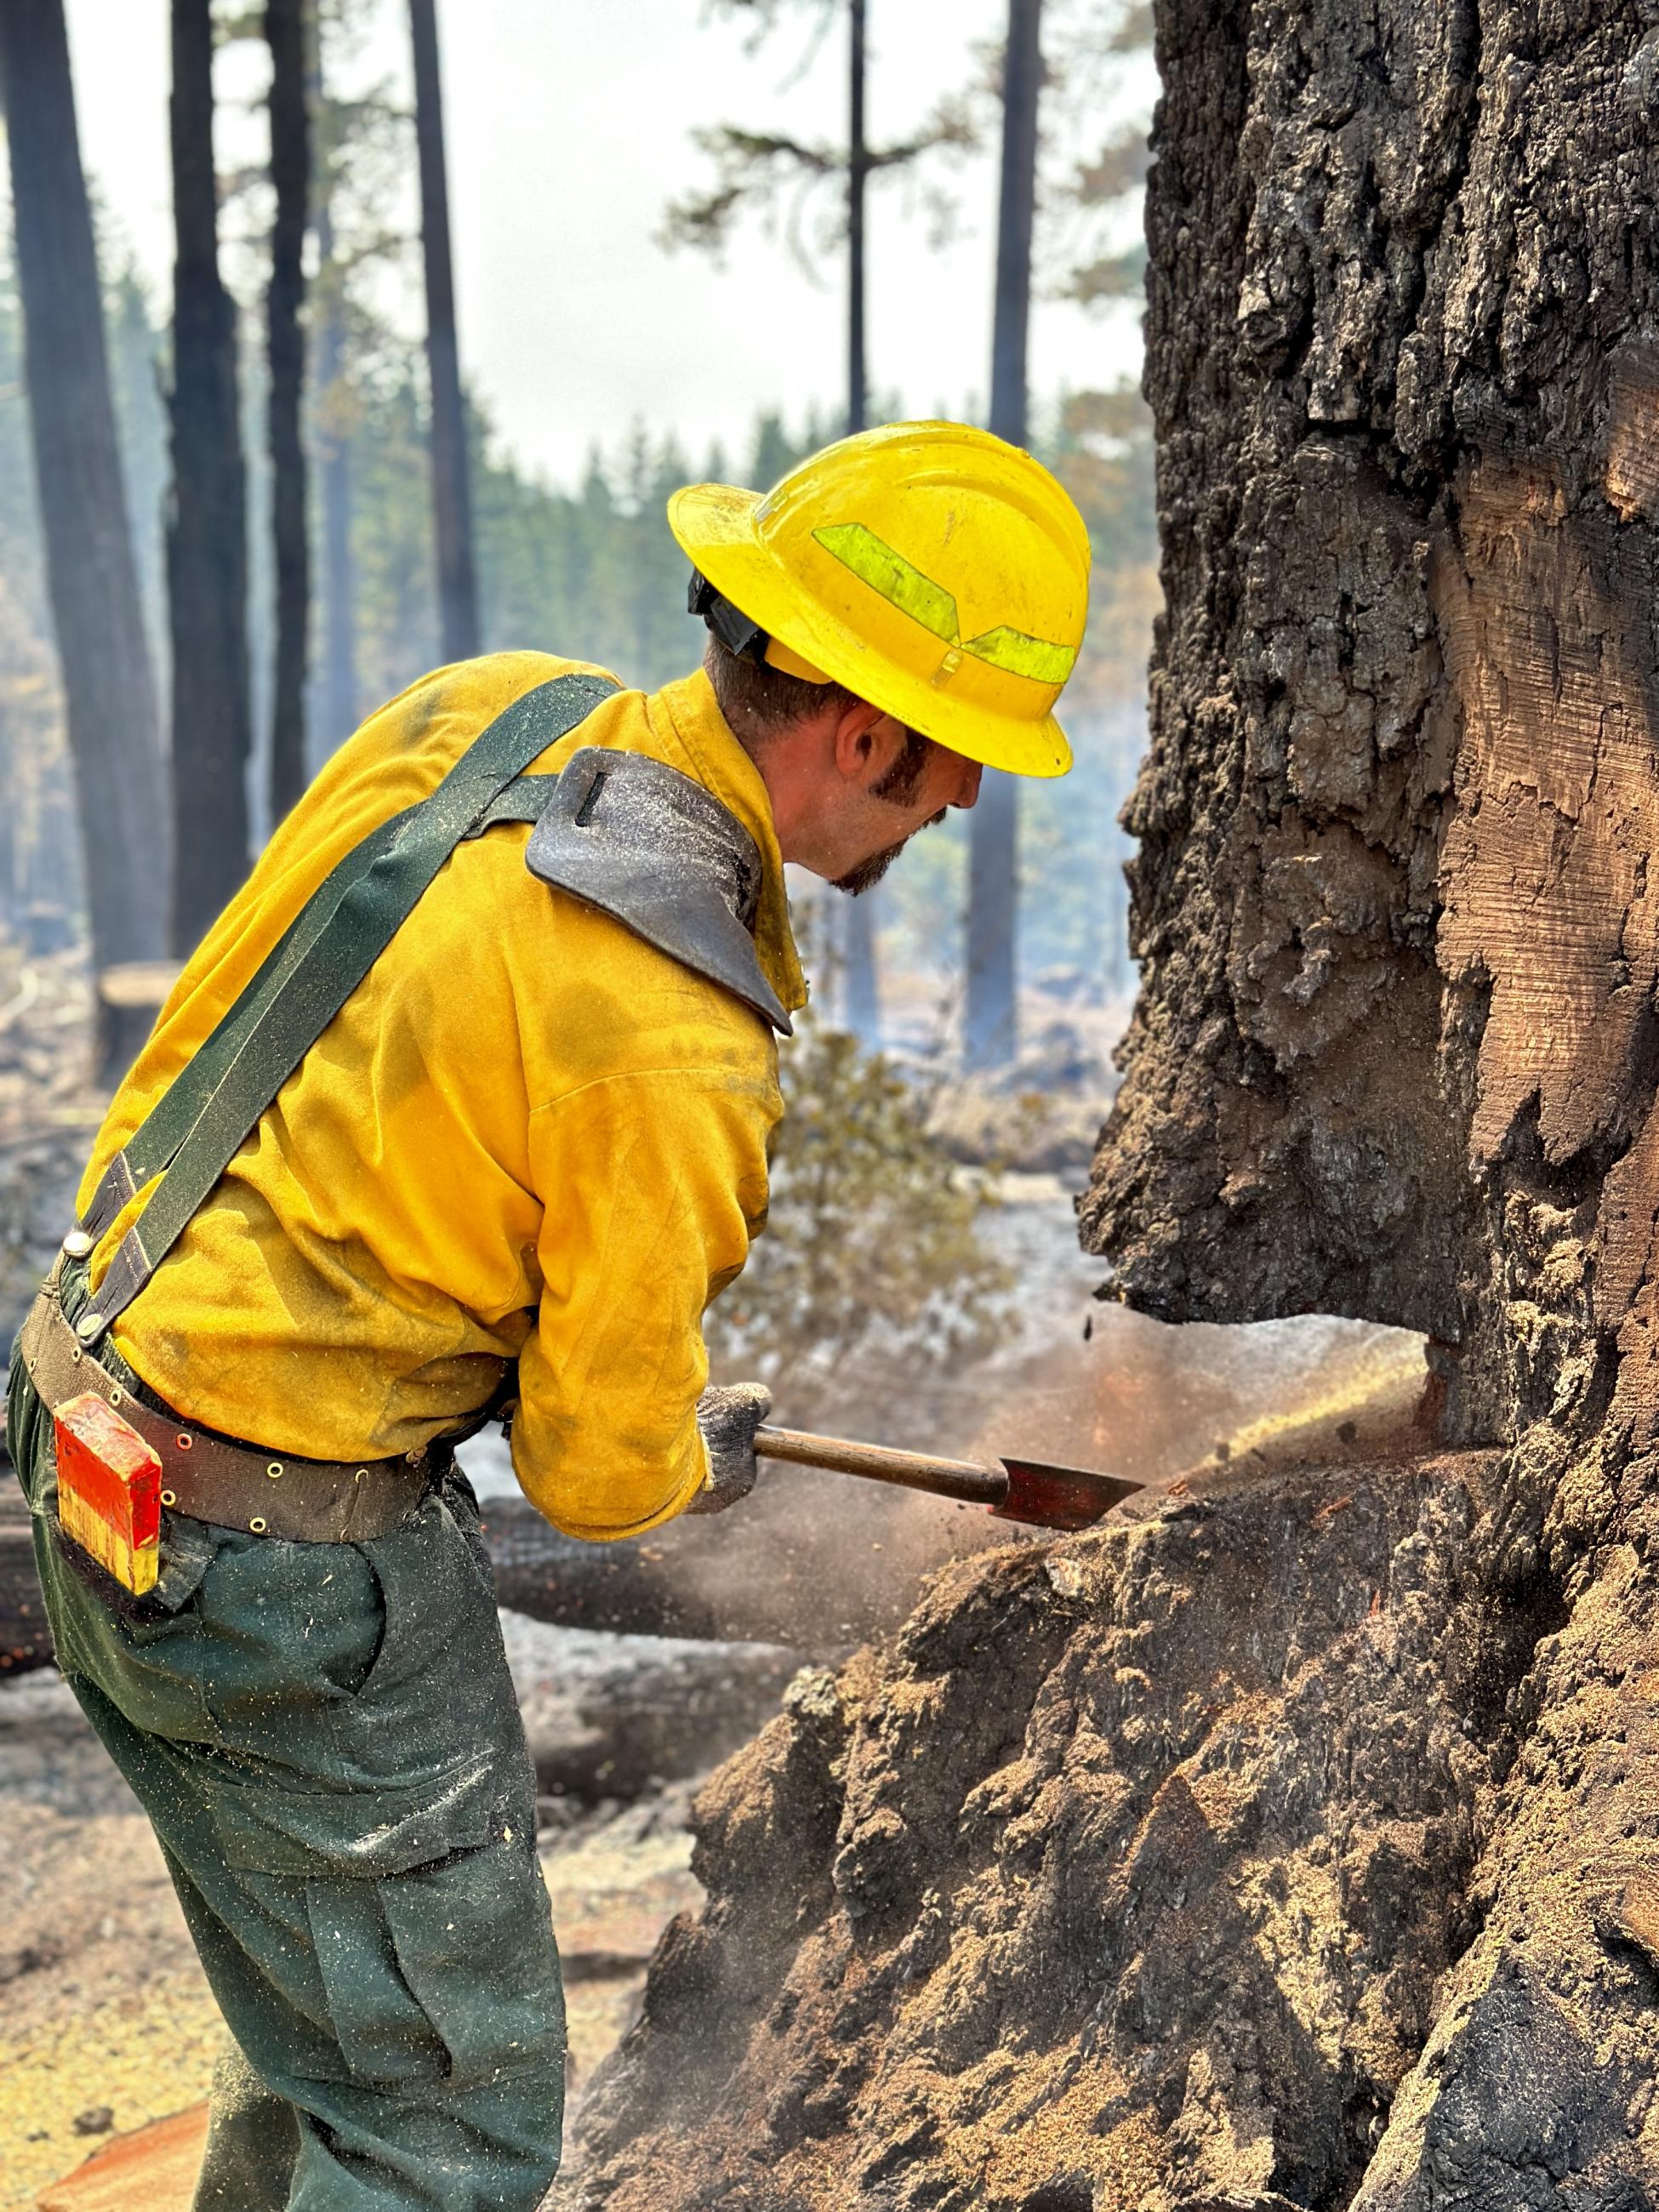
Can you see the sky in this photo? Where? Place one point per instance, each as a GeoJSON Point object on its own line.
{"type": "Point", "coordinates": [569, 125]}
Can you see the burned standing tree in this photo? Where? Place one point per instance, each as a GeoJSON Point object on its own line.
{"type": "Point", "coordinates": [109, 689]}
{"type": "Point", "coordinates": [451, 490]}
{"type": "Point", "coordinates": [1293, 1844]}
{"type": "Point", "coordinates": [990, 1016]}
{"type": "Point", "coordinates": [207, 542]}
{"type": "Point", "coordinates": [337, 690]}
{"type": "Point", "coordinates": [757, 170]}
{"type": "Point", "coordinates": [360, 162]}
{"type": "Point", "coordinates": [862, 982]}
{"type": "Point", "coordinates": [288, 34]}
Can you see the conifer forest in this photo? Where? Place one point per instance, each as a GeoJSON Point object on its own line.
{"type": "Point", "coordinates": [1259, 1115]}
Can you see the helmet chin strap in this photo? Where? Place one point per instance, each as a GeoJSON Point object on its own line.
{"type": "Point", "coordinates": [746, 639]}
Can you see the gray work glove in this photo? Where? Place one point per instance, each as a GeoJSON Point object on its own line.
{"type": "Point", "coordinates": [728, 1414]}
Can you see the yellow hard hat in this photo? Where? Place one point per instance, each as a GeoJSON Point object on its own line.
{"type": "Point", "coordinates": [936, 571]}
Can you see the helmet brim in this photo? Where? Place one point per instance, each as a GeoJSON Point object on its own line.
{"type": "Point", "coordinates": [714, 525]}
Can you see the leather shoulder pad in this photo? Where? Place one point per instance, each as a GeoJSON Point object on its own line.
{"type": "Point", "coordinates": [653, 848]}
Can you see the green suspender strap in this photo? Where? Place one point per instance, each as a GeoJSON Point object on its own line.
{"type": "Point", "coordinates": [200, 1124]}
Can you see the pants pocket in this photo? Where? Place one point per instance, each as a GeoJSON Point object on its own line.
{"type": "Point", "coordinates": [447, 1973]}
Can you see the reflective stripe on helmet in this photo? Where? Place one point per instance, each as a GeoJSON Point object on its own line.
{"type": "Point", "coordinates": [902, 584]}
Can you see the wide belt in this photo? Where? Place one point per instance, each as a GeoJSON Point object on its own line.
{"type": "Point", "coordinates": [304, 1501]}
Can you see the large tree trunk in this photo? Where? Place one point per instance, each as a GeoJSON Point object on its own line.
{"type": "Point", "coordinates": [990, 1020]}
{"type": "Point", "coordinates": [108, 686]}
{"type": "Point", "coordinates": [287, 34]}
{"type": "Point", "coordinates": [1294, 1846]}
{"type": "Point", "coordinates": [452, 495]}
{"type": "Point", "coordinates": [207, 534]}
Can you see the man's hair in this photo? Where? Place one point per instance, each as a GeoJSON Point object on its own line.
{"type": "Point", "coordinates": [765, 700]}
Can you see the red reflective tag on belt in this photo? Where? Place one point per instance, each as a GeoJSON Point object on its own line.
{"type": "Point", "coordinates": [109, 1491]}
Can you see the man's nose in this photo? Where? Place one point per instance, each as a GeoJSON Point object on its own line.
{"type": "Point", "coordinates": [968, 790]}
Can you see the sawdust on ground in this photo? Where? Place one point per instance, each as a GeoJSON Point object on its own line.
{"type": "Point", "coordinates": [122, 2062]}
{"type": "Point", "coordinates": [106, 2018]}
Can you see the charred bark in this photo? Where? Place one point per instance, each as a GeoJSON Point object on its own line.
{"type": "Point", "coordinates": [451, 491]}
{"type": "Point", "coordinates": [287, 34]}
{"type": "Point", "coordinates": [108, 685]}
{"type": "Point", "coordinates": [207, 540]}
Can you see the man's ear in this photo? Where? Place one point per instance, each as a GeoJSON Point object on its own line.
{"type": "Point", "coordinates": [863, 750]}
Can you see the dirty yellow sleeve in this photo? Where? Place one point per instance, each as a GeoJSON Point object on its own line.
{"type": "Point", "coordinates": [528, 1135]}
{"type": "Point", "coordinates": [653, 1185]}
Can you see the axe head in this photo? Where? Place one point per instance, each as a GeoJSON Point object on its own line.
{"type": "Point", "coordinates": [1068, 1497]}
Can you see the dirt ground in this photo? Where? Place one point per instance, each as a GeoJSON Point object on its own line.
{"type": "Point", "coordinates": [107, 2022]}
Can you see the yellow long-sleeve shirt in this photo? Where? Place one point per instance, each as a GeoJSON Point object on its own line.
{"type": "Point", "coordinates": [527, 1134]}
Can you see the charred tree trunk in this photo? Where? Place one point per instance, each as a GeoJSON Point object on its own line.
{"type": "Point", "coordinates": [990, 1020]}
{"type": "Point", "coordinates": [109, 685]}
{"type": "Point", "coordinates": [338, 693]}
{"type": "Point", "coordinates": [857, 177]}
{"type": "Point", "coordinates": [1299, 1841]}
{"type": "Point", "coordinates": [286, 35]}
{"type": "Point", "coordinates": [1394, 1054]}
{"type": "Point", "coordinates": [860, 984]}
{"type": "Point", "coordinates": [452, 494]}
{"type": "Point", "coordinates": [334, 714]}
{"type": "Point", "coordinates": [207, 534]}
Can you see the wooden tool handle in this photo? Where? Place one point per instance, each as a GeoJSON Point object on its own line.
{"type": "Point", "coordinates": [945, 1478]}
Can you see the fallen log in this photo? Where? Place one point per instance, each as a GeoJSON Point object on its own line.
{"type": "Point", "coordinates": [25, 1639]}
{"type": "Point", "coordinates": [802, 1565]}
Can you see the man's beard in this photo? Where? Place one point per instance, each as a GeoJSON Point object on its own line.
{"type": "Point", "coordinates": [868, 874]}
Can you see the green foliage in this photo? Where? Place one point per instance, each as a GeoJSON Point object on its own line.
{"type": "Point", "coordinates": [873, 1243]}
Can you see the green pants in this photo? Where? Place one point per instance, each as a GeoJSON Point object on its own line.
{"type": "Point", "coordinates": [326, 1740]}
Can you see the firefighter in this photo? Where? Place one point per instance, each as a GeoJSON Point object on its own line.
{"type": "Point", "coordinates": [463, 1108]}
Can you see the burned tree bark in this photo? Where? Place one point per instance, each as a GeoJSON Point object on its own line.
{"type": "Point", "coordinates": [286, 35]}
{"type": "Point", "coordinates": [207, 542]}
{"type": "Point", "coordinates": [109, 688]}
{"type": "Point", "coordinates": [1296, 1847]}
